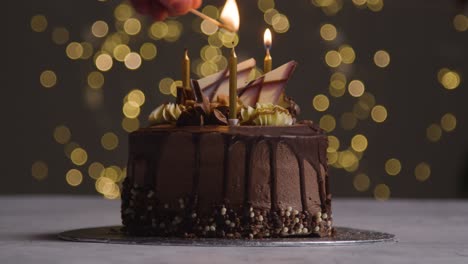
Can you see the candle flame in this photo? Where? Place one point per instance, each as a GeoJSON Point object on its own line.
{"type": "Point", "coordinates": [267, 39]}
{"type": "Point", "coordinates": [230, 15]}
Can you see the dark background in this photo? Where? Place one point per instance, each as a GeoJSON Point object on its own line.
{"type": "Point", "coordinates": [419, 36]}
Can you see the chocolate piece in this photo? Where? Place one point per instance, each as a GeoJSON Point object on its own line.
{"type": "Point", "coordinates": [233, 182]}
{"type": "Point", "coordinates": [269, 87]}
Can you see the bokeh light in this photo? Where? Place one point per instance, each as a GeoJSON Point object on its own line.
{"type": "Point", "coordinates": [74, 177]}
{"type": "Point", "coordinates": [422, 171]}
{"type": "Point", "coordinates": [392, 167]}
{"type": "Point", "coordinates": [132, 61]}
{"type": "Point", "coordinates": [359, 143]}
{"type": "Point", "coordinates": [95, 79]}
{"type": "Point", "coordinates": [130, 124]}
{"type": "Point", "coordinates": [327, 123]}
{"type": "Point", "coordinates": [448, 122]}
{"type": "Point", "coordinates": [109, 141]}
{"type": "Point", "coordinates": [39, 23]}
{"type": "Point", "coordinates": [62, 134]}
{"type": "Point", "coordinates": [74, 50]}
{"type": "Point", "coordinates": [48, 79]}
{"type": "Point", "coordinates": [460, 22]}
{"type": "Point", "coordinates": [434, 132]}
{"type": "Point", "coordinates": [39, 170]}
{"type": "Point", "coordinates": [361, 182]}
{"type": "Point", "coordinates": [382, 58]}
{"type": "Point", "coordinates": [99, 29]}
{"type": "Point", "coordinates": [381, 192]}
{"type": "Point", "coordinates": [379, 113]}
{"type": "Point", "coordinates": [60, 35]}
{"type": "Point", "coordinates": [104, 62]}
{"type": "Point", "coordinates": [328, 32]}
{"type": "Point", "coordinates": [95, 170]}
{"type": "Point", "coordinates": [79, 156]}
{"type": "Point", "coordinates": [449, 79]}
{"type": "Point", "coordinates": [132, 26]}
{"type": "Point", "coordinates": [333, 58]}
{"type": "Point", "coordinates": [356, 88]}
{"type": "Point", "coordinates": [321, 102]}
{"type": "Point", "coordinates": [148, 51]}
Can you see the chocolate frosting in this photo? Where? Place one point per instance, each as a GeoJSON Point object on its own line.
{"type": "Point", "coordinates": [267, 169]}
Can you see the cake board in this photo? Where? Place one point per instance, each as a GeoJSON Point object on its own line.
{"type": "Point", "coordinates": [113, 235]}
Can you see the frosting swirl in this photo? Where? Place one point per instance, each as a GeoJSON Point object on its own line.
{"type": "Point", "coordinates": [266, 115]}
{"type": "Point", "coordinates": [166, 114]}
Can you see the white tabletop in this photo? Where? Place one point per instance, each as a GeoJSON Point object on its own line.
{"type": "Point", "coordinates": [430, 231]}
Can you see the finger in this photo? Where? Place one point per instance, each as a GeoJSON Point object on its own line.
{"type": "Point", "coordinates": [177, 7]}
{"type": "Point", "coordinates": [196, 4]}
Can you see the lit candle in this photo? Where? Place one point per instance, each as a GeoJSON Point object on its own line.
{"type": "Point", "coordinates": [268, 61]}
{"type": "Point", "coordinates": [186, 71]}
{"type": "Point", "coordinates": [230, 17]}
{"type": "Point", "coordinates": [233, 85]}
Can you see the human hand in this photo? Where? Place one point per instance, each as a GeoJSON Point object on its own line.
{"type": "Point", "coordinates": [161, 9]}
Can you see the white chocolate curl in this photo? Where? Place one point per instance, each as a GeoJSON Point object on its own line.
{"type": "Point", "coordinates": [166, 114]}
{"type": "Point", "coordinates": [266, 115]}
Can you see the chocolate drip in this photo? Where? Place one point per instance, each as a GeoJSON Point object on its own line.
{"type": "Point", "coordinates": [300, 162]}
{"type": "Point", "coordinates": [196, 169]}
{"type": "Point", "coordinates": [227, 146]}
{"type": "Point", "coordinates": [273, 147]}
{"type": "Point", "coordinates": [249, 147]}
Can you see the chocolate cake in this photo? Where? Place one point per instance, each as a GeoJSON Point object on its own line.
{"type": "Point", "coordinates": [191, 175]}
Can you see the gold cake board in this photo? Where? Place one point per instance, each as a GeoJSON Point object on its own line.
{"type": "Point", "coordinates": [113, 235]}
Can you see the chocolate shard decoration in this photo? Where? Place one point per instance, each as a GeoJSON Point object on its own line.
{"type": "Point", "coordinates": [267, 88]}
{"type": "Point", "coordinates": [218, 84]}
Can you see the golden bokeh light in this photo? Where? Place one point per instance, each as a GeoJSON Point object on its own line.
{"type": "Point", "coordinates": [392, 167]}
{"type": "Point", "coordinates": [333, 58]}
{"type": "Point", "coordinates": [381, 192]}
{"type": "Point", "coordinates": [62, 134]}
{"type": "Point", "coordinates": [95, 79]}
{"type": "Point", "coordinates": [74, 177]}
{"type": "Point", "coordinates": [123, 12]}
{"type": "Point", "coordinates": [165, 85]}
{"type": "Point", "coordinates": [332, 157]}
{"type": "Point", "coordinates": [132, 61]}
{"type": "Point", "coordinates": [130, 124]}
{"type": "Point", "coordinates": [69, 147]}
{"type": "Point", "coordinates": [95, 169]}
{"type": "Point", "coordinates": [450, 80]}
{"type": "Point", "coordinates": [379, 113]}
{"type": "Point", "coordinates": [327, 123]}
{"type": "Point", "coordinates": [79, 156]}
{"type": "Point", "coordinates": [74, 50]}
{"type": "Point", "coordinates": [39, 23]}
{"type": "Point", "coordinates": [375, 5]}
{"type": "Point", "coordinates": [359, 143]}
{"type": "Point", "coordinates": [137, 96]}
{"type": "Point", "coordinates": [347, 54]}
{"type": "Point", "coordinates": [356, 88]}
{"type": "Point", "coordinates": [460, 22]}
{"type": "Point", "coordinates": [120, 51]}
{"type": "Point", "coordinates": [39, 170]}
{"type": "Point", "coordinates": [48, 79]}
{"type": "Point", "coordinates": [382, 58]}
{"type": "Point", "coordinates": [448, 122]}
{"type": "Point", "coordinates": [333, 143]}
{"type": "Point", "coordinates": [348, 160]}
{"type": "Point", "coordinates": [88, 50]}
{"type": "Point", "coordinates": [269, 14]}
{"type": "Point", "coordinates": [280, 23]}
{"type": "Point", "coordinates": [60, 35]}
{"type": "Point", "coordinates": [328, 32]}
{"type": "Point", "coordinates": [228, 39]}
{"type": "Point", "coordinates": [211, 11]}
{"type": "Point", "coordinates": [99, 29]}
{"type": "Point", "coordinates": [359, 2]}
{"type": "Point", "coordinates": [208, 28]}
{"type": "Point", "coordinates": [422, 171]}
{"type": "Point", "coordinates": [434, 132]}
{"type": "Point", "coordinates": [174, 29]}
{"type": "Point", "coordinates": [104, 62]}
{"type": "Point", "coordinates": [158, 30]}
{"type": "Point", "coordinates": [148, 51]}
{"type": "Point", "coordinates": [131, 109]}
{"type": "Point", "coordinates": [321, 102]}
{"type": "Point", "coordinates": [361, 182]}
{"type": "Point", "coordinates": [132, 26]}
{"type": "Point", "coordinates": [348, 121]}
{"type": "Point", "coordinates": [265, 5]}
{"type": "Point", "coordinates": [109, 141]}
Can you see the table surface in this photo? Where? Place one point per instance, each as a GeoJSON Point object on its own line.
{"type": "Point", "coordinates": [428, 231]}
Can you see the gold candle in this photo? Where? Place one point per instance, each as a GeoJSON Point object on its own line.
{"type": "Point", "coordinates": [233, 85]}
{"type": "Point", "coordinates": [268, 61]}
{"type": "Point", "coordinates": [186, 71]}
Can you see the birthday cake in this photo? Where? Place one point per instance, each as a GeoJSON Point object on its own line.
{"type": "Point", "coordinates": [191, 174]}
